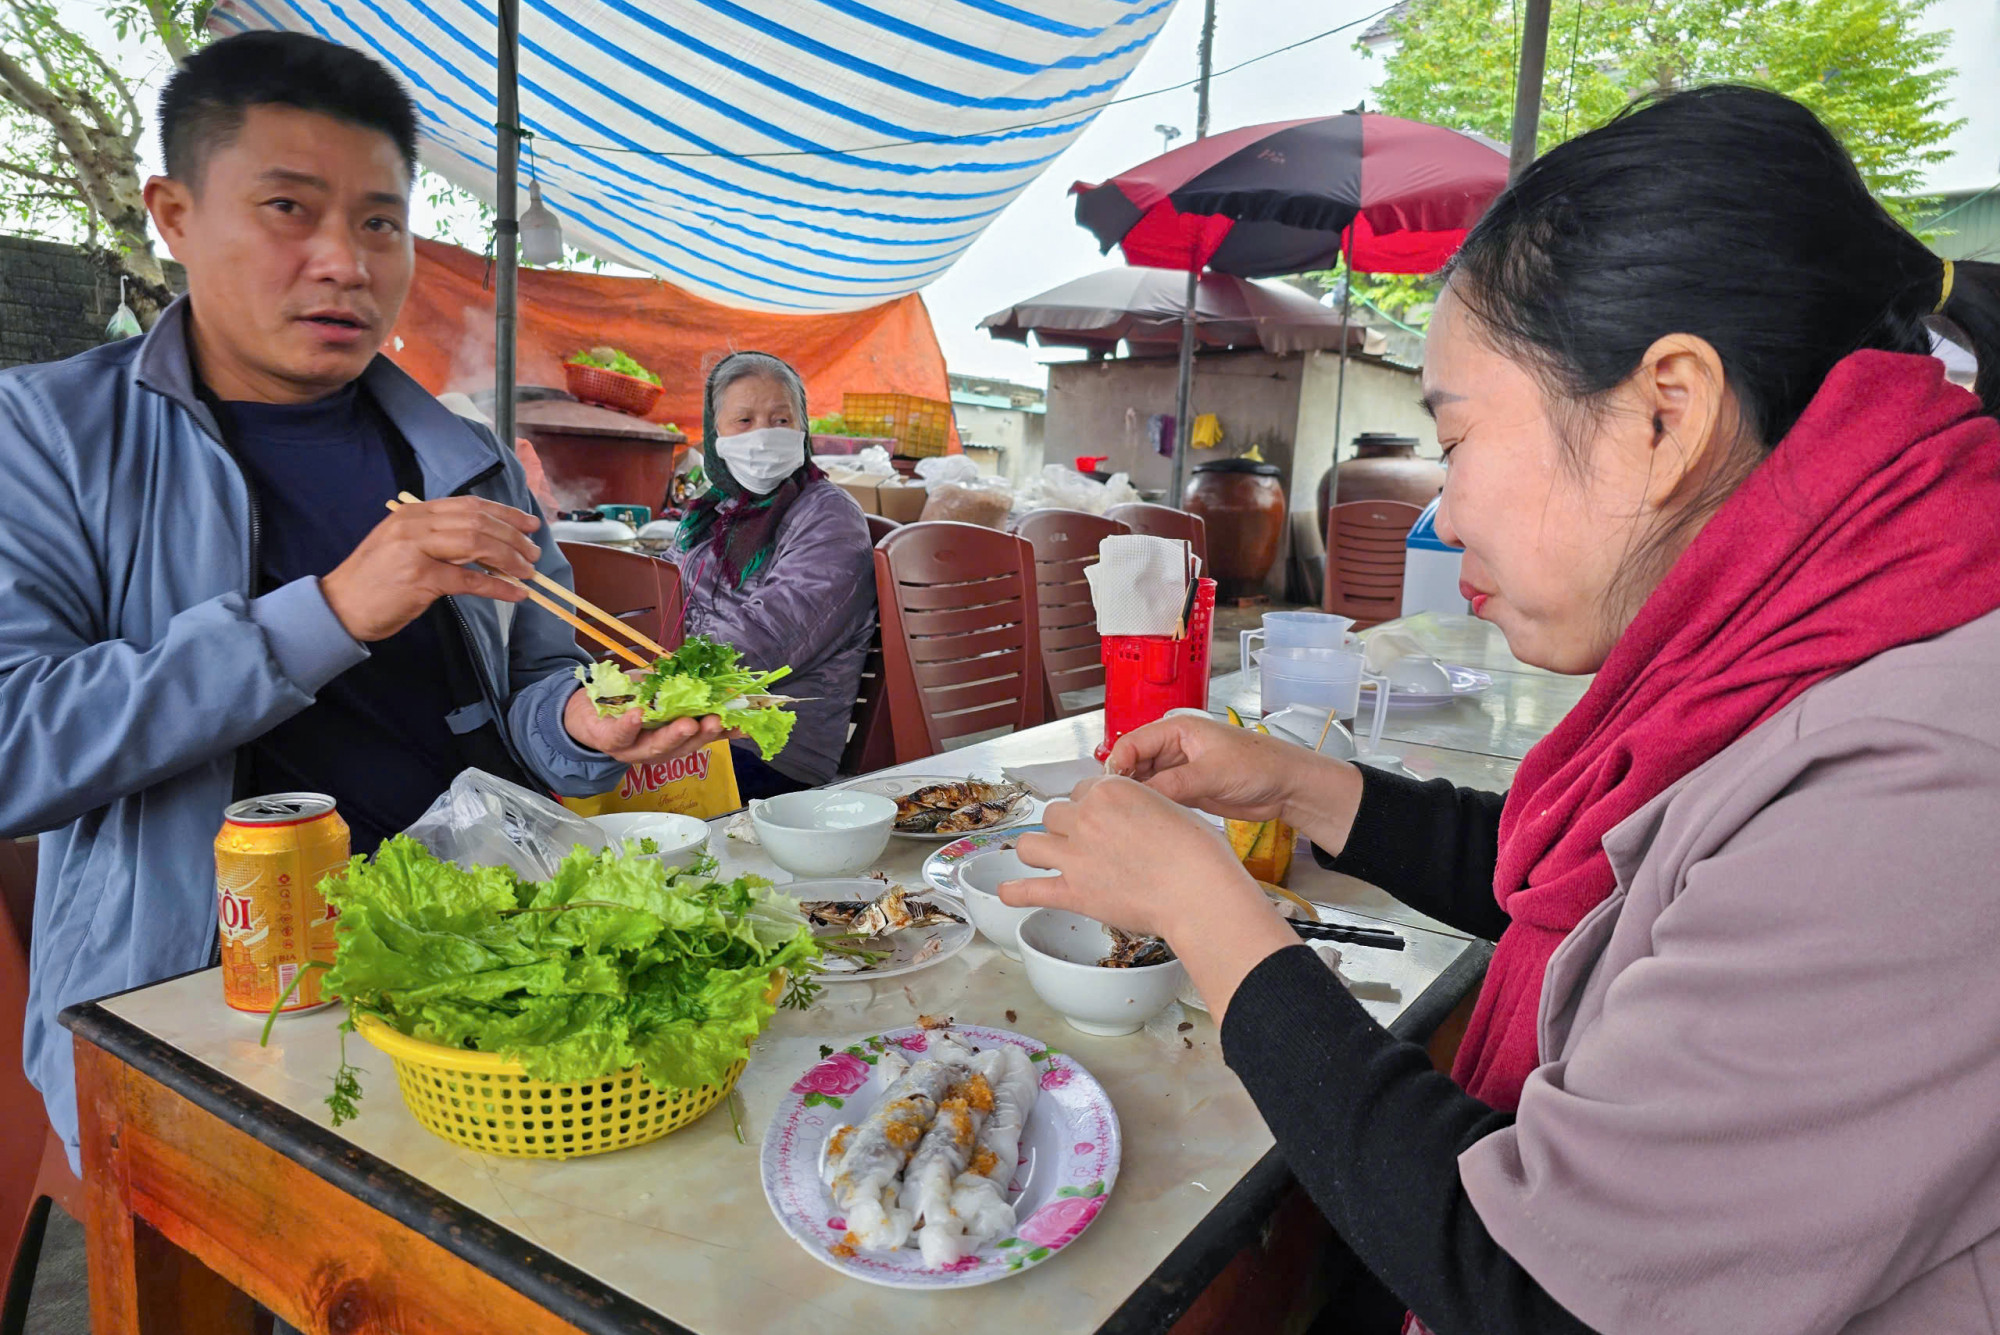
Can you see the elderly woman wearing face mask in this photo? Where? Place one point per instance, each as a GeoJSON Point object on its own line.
{"type": "Point", "coordinates": [1735, 1064]}
{"type": "Point", "coordinates": [777, 561]}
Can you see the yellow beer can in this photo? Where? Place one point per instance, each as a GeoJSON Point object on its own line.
{"type": "Point", "coordinates": [273, 921]}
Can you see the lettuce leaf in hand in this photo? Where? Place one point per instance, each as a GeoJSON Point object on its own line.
{"type": "Point", "coordinates": [700, 678]}
{"type": "Point", "coordinates": [612, 963]}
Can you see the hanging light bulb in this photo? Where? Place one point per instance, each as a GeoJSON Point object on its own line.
{"type": "Point", "coordinates": [541, 231]}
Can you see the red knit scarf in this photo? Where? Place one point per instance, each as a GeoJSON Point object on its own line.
{"type": "Point", "coordinates": [1874, 523]}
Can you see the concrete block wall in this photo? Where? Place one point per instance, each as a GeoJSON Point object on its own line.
{"type": "Point", "coordinates": [54, 300]}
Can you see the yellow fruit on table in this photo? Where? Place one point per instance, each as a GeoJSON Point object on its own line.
{"type": "Point", "coordinates": [1235, 719]}
{"type": "Point", "coordinates": [1264, 847]}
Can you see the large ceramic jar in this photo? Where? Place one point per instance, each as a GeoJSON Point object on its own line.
{"type": "Point", "coordinates": [1243, 504]}
{"type": "Point", "coordinates": [1385, 467]}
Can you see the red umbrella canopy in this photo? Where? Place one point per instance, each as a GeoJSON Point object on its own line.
{"type": "Point", "coordinates": [1281, 198]}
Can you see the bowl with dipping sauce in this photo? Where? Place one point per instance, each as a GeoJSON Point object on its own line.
{"type": "Point", "coordinates": [830, 832]}
{"type": "Point", "coordinates": [979, 879]}
{"type": "Point", "coordinates": [1062, 951]}
{"type": "Point", "coordinates": [681, 839]}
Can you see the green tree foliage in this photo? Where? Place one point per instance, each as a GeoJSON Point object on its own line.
{"type": "Point", "coordinates": [72, 125]}
{"type": "Point", "coordinates": [1863, 65]}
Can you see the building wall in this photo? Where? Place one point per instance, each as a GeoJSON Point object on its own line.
{"type": "Point", "coordinates": [1105, 407]}
{"type": "Point", "coordinates": [54, 300]}
{"type": "Point", "coordinates": [1379, 397]}
{"type": "Point", "coordinates": [1016, 433]}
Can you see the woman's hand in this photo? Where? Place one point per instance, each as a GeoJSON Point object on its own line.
{"type": "Point", "coordinates": [1243, 775]}
{"type": "Point", "coordinates": [1129, 856]}
{"type": "Point", "coordinates": [624, 738]}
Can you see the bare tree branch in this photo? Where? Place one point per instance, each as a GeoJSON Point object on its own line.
{"type": "Point", "coordinates": [26, 172]}
{"type": "Point", "coordinates": [170, 31]}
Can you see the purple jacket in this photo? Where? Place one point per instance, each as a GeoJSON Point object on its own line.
{"type": "Point", "coordinates": [812, 606]}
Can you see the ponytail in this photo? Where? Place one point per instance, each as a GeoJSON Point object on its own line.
{"type": "Point", "coordinates": [1973, 306]}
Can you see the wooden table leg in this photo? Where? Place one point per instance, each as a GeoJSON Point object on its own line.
{"type": "Point", "coordinates": [140, 1283]}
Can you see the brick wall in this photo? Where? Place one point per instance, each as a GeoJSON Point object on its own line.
{"type": "Point", "coordinates": [54, 300]}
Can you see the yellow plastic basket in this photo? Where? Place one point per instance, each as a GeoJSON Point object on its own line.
{"type": "Point", "coordinates": [486, 1102]}
{"type": "Point", "coordinates": [921, 427]}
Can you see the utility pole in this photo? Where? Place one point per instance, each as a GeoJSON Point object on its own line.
{"type": "Point", "coordinates": [1528, 87]}
{"type": "Point", "coordinates": [1183, 427]}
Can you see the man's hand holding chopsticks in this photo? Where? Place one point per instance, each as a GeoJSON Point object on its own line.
{"type": "Point", "coordinates": [420, 553]}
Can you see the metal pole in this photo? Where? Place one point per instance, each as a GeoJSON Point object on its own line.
{"type": "Point", "coordinates": [1340, 388]}
{"type": "Point", "coordinates": [506, 226]}
{"type": "Point", "coordinates": [1184, 395]}
{"type": "Point", "coordinates": [1528, 87]}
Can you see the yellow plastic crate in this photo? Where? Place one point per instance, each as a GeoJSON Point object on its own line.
{"type": "Point", "coordinates": [487, 1102]}
{"type": "Point", "coordinates": [920, 427]}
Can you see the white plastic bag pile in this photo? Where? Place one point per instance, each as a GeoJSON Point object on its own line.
{"type": "Point", "coordinates": [1063, 488]}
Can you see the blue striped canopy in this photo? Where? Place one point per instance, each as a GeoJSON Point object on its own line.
{"type": "Point", "coordinates": [786, 155]}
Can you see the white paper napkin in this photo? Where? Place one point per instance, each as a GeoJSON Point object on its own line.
{"type": "Point", "coordinates": [1386, 646]}
{"type": "Point", "coordinates": [1137, 584]}
{"type": "Point", "coordinates": [1054, 779]}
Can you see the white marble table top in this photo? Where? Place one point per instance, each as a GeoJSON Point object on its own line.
{"type": "Point", "coordinates": [681, 1226]}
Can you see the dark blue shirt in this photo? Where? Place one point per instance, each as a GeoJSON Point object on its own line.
{"type": "Point", "coordinates": [375, 738]}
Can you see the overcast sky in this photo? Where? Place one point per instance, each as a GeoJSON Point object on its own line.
{"type": "Point", "coordinates": [1036, 244]}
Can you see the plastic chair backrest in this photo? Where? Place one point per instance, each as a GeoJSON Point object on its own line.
{"type": "Point", "coordinates": [880, 527]}
{"type": "Point", "coordinates": [961, 649]}
{"type": "Point", "coordinates": [1065, 543]}
{"type": "Point", "coordinates": [1364, 559]}
{"type": "Point", "coordinates": [641, 590]}
{"type": "Point", "coordinates": [871, 740]}
{"type": "Point", "coordinates": [1163, 521]}
{"type": "Point", "coordinates": [33, 1169]}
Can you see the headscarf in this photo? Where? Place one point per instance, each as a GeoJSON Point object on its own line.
{"type": "Point", "coordinates": [744, 525]}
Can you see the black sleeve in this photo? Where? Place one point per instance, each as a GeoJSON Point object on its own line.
{"type": "Point", "coordinates": [1373, 1133]}
{"type": "Point", "coordinates": [1430, 845]}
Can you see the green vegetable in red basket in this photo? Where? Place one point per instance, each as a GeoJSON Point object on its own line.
{"type": "Point", "coordinates": [613, 359]}
{"type": "Point", "coordinates": [614, 963]}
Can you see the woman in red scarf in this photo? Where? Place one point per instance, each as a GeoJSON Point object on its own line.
{"type": "Point", "coordinates": [1734, 1065]}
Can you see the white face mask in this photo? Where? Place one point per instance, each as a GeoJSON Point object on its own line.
{"type": "Point", "coordinates": [760, 460]}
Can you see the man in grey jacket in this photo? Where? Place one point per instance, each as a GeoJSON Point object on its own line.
{"type": "Point", "coordinates": [202, 595]}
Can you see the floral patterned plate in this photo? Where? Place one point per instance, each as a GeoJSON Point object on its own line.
{"type": "Point", "coordinates": [941, 867]}
{"type": "Point", "coordinates": [1069, 1161]}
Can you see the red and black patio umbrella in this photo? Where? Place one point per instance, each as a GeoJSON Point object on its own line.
{"type": "Point", "coordinates": [1397, 195]}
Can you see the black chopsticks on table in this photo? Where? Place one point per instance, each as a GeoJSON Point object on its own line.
{"type": "Point", "coordinates": [1379, 937]}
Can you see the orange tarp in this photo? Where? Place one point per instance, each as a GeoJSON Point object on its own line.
{"type": "Point", "coordinates": [447, 336]}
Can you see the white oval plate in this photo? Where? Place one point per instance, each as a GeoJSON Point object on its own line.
{"type": "Point", "coordinates": [941, 867]}
{"type": "Point", "coordinates": [1069, 1162]}
{"type": "Point", "coordinates": [1464, 681]}
{"type": "Point", "coordinates": [902, 785]}
{"type": "Point", "coordinates": [906, 944]}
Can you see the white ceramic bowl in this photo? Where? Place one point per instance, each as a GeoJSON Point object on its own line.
{"type": "Point", "coordinates": [825, 832]}
{"type": "Point", "coordinates": [1307, 726]}
{"type": "Point", "coordinates": [1418, 674]}
{"type": "Point", "coordinates": [978, 881]}
{"type": "Point", "coordinates": [1061, 951]}
{"type": "Point", "coordinates": [681, 838]}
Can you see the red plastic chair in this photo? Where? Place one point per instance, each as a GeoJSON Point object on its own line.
{"type": "Point", "coordinates": [1365, 549]}
{"type": "Point", "coordinates": [871, 741]}
{"type": "Point", "coordinates": [1065, 543]}
{"type": "Point", "coordinates": [961, 651]}
{"type": "Point", "coordinates": [1163, 521]}
{"type": "Point", "coordinates": [34, 1172]}
{"type": "Point", "coordinates": [638, 589]}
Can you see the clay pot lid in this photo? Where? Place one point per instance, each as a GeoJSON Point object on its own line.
{"type": "Point", "coordinates": [1255, 466]}
{"type": "Point", "coordinates": [1385, 439]}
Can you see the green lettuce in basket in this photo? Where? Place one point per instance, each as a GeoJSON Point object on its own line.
{"type": "Point", "coordinates": [615, 962]}
{"type": "Point", "coordinates": [701, 677]}
{"type": "Point", "coordinates": [613, 359]}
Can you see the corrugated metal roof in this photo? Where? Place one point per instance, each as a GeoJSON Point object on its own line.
{"type": "Point", "coordinates": [1974, 222]}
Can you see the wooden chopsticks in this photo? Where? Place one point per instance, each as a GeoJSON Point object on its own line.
{"type": "Point", "coordinates": [583, 604]}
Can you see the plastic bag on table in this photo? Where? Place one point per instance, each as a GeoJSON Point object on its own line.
{"type": "Point", "coordinates": [484, 821]}
{"type": "Point", "coordinates": [872, 463]}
